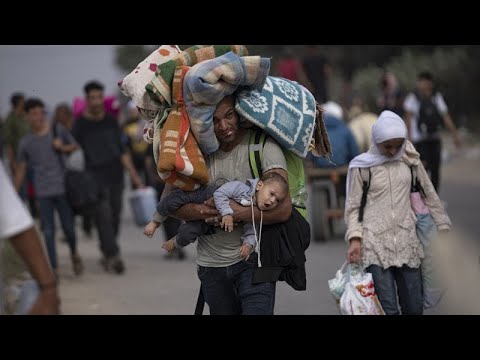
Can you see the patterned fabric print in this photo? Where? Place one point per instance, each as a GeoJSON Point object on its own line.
{"type": "Point", "coordinates": [133, 85]}
{"type": "Point", "coordinates": [285, 109]}
{"type": "Point", "coordinates": [207, 83]}
{"type": "Point", "coordinates": [148, 132]}
{"type": "Point", "coordinates": [159, 88]}
{"type": "Point", "coordinates": [179, 160]}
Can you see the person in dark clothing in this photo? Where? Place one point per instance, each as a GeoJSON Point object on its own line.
{"type": "Point", "coordinates": [391, 96]}
{"type": "Point", "coordinates": [318, 70]}
{"type": "Point", "coordinates": [133, 134]}
{"type": "Point", "coordinates": [428, 143]}
{"type": "Point", "coordinates": [63, 115]}
{"type": "Point", "coordinates": [100, 137]}
{"type": "Point", "coordinates": [290, 67]}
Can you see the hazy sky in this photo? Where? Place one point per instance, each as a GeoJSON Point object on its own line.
{"type": "Point", "coordinates": [55, 73]}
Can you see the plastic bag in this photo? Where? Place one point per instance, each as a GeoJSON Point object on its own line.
{"type": "Point", "coordinates": [336, 286]}
{"type": "Point", "coordinates": [359, 297]}
{"type": "Point", "coordinates": [27, 297]}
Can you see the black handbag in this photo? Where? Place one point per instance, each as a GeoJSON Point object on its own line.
{"type": "Point", "coordinates": [81, 189]}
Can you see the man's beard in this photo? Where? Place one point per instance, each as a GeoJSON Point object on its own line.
{"type": "Point", "coordinates": [232, 136]}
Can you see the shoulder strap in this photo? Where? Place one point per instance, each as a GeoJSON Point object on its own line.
{"type": "Point", "coordinates": [413, 171]}
{"type": "Point", "coordinates": [366, 178]}
{"type": "Point", "coordinates": [255, 152]}
{"type": "Point", "coordinates": [416, 186]}
{"type": "Point", "coordinates": [200, 302]}
{"type": "Point", "coordinates": [55, 135]}
{"type": "Point", "coordinates": [54, 129]}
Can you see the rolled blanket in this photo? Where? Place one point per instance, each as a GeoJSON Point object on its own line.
{"type": "Point", "coordinates": [179, 160]}
{"type": "Point", "coordinates": [207, 83]}
{"type": "Point", "coordinates": [159, 88]}
{"type": "Point", "coordinates": [284, 109]}
{"type": "Point", "coordinates": [133, 85]}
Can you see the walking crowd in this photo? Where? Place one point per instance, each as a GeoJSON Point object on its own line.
{"type": "Point", "coordinates": [223, 139]}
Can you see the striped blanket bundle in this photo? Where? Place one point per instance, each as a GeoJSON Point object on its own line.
{"type": "Point", "coordinates": [160, 86]}
{"type": "Point", "coordinates": [179, 160]}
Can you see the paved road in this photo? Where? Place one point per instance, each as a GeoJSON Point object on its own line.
{"type": "Point", "coordinates": [156, 285]}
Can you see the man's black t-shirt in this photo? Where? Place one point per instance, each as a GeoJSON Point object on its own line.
{"type": "Point", "coordinates": [102, 145]}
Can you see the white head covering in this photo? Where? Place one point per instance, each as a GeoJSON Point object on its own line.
{"type": "Point", "coordinates": [388, 126]}
{"type": "Point", "coordinates": [332, 108]}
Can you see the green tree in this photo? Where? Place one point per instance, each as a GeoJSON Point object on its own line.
{"type": "Point", "coordinates": [127, 57]}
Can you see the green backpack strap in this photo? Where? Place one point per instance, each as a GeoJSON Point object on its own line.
{"type": "Point", "coordinates": [296, 174]}
{"type": "Point", "coordinates": [296, 181]}
{"type": "Point", "coordinates": [255, 152]}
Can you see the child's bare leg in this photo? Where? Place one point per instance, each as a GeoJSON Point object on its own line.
{"type": "Point", "coordinates": [170, 244]}
{"type": "Point", "coordinates": [151, 227]}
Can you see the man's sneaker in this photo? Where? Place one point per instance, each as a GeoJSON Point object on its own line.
{"type": "Point", "coordinates": [77, 265]}
{"type": "Point", "coordinates": [118, 266]}
{"type": "Point", "coordinates": [113, 264]}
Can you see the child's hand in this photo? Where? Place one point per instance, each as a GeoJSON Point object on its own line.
{"type": "Point", "coordinates": [150, 229]}
{"type": "Point", "coordinates": [245, 250]}
{"type": "Point", "coordinates": [169, 245]}
{"type": "Point", "coordinates": [227, 223]}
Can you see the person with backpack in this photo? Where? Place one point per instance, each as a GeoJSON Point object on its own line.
{"type": "Point", "coordinates": [42, 149]}
{"type": "Point", "coordinates": [226, 279]}
{"type": "Point", "coordinates": [426, 113]}
{"type": "Point", "coordinates": [381, 225]}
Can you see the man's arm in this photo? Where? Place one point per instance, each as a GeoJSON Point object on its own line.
{"type": "Point", "coordinates": [64, 141]}
{"type": "Point", "coordinates": [29, 247]}
{"type": "Point", "coordinates": [10, 157]}
{"type": "Point", "coordinates": [17, 224]}
{"type": "Point", "coordinates": [408, 122]}
{"type": "Point", "coordinates": [450, 125]}
{"type": "Point", "coordinates": [20, 171]}
{"type": "Point", "coordinates": [64, 148]}
{"type": "Point", "coordinates": [191, 212]}
{"type": "Point", "coordinates": [127, 164]}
